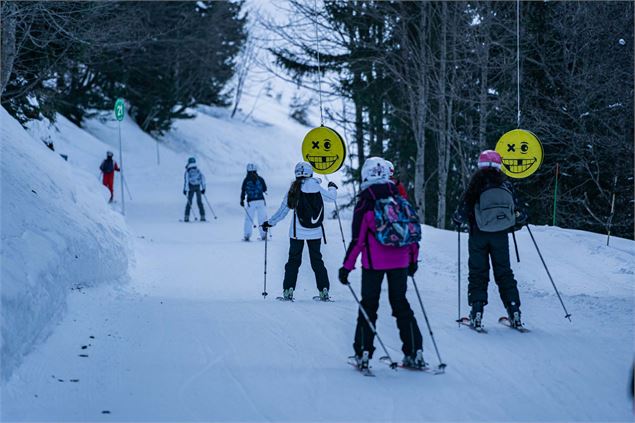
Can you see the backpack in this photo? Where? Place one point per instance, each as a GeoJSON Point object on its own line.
{"type": "Point", "coordinates": [397, 222]}
{"type": "Point", "coordinates": [254, 189]}
{"type": "Point", "coordinates": [310, 209]}
{"type": "Point", "coordinates": [194, 176]}
{"type": "Point", "coordinates": [107, 166]}
{"type": "Point", "coordinates": [494, 211]}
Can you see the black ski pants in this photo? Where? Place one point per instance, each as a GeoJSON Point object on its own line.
{"type": "Point", "coordinates": [371, 288]}
{"type": "Point", "coordinates": [484, 246]}
{"type": "Point", "coordinates": [295, 260]}
{"type": "Point", "coordinates": [194, 189]}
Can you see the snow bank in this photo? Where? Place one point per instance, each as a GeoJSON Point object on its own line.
{"type": "Point", "coordinates": [58, 234]}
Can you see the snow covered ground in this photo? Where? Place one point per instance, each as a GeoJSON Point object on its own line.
{"type": "Point", "coordinates": [190, 337]}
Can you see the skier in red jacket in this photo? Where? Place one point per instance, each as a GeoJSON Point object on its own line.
{"type": "Point", "coordinates": [108, 168]}
{"type": "Point", "coordinates": [400, 187]}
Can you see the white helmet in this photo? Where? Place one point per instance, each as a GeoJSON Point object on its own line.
{"type": "Point", "coordinates": [391, 168]}
{"type": "Point", "coordinates": [374, 170]}
{"type": "Point", "coordinates": [251, 167]}
{"type": "Point", "coordinates": [303, 169]}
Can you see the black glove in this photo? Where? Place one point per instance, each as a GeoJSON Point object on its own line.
{"type": "Point", "coordinates": [412, 268]}
{"type": "Point", "coordinates": [521, 219]}
{"type": "Point", "coordinates": [184, 192]}
{"type": "Point", "coordinates": [266, 225]}
{"type": "Point", "coordinates": [203, 191]}
{"type": "Point", "coordinates": [332, 184]}
{"type": "Point", "coordinates": [242, 203]}
{"type": "Point", "coordinates": [343, 275]}
{"type": "Point", "coordinates": [458, 219]}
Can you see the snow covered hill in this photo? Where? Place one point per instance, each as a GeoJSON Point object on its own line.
{"type": "Point", "coordinates": [58, 235]}
{"type": "Point", "coordinates": [190, 338]}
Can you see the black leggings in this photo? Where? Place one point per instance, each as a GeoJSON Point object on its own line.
{"type": "Point", "coordinates": [371, 288]}
{"type": "Point", "coordinates": [295, 260]}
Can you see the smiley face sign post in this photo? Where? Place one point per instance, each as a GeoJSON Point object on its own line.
{"type": "Point", "coordinates": [324, 149]}
{"type": "Point", "coordinates": [521, 152]}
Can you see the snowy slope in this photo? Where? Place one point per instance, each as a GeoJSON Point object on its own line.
{"type": "Point", "coordinates": [191, 338]}
{"type": "Point", "coordinates": [58, 234]}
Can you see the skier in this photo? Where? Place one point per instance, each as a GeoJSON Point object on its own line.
{"type": "Point", "coordinates": [193, 183]}
{"type": "Point", "coordinates": [305, 197]}
{"type": "Point", "coordinates": [490, 207]}
{"type": "Point", "coordinates": [380, 256]}
{"type": "Point", "coordinates": [108, 168]}
{"type": "Point", "coordinates": [394, 180]}
{"type": "Point", "coordinates": [254, 187]}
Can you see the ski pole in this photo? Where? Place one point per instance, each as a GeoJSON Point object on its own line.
{"type": "Point", "coordinates": [339, 221]}
{"type": "Point", "coordinates": [567, 314]}
{"type": "Point", "coordinates": [393, 365]}
{"type": "Point", "coordinates": [210, 206]}
{"type": "Point", "coordinates": [458, 260]}
{"type": "Point", "coordinates": [264, 292]}
{"type": "Point", "coordinates": [608, 235]}
{"type": "Point", "coordinates": [442, 365]}
{"type": "Point", "coordinates": [250, 219]}
{"type": "Point", "coordinates": [515, 246]}
{"type": "Point", "coordinates": [125, 184]}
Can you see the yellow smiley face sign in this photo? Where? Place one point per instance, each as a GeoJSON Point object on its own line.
{"type": "Point", "coordinates": [324, 149]}
{"type": "Point", "coordinates": [521, 152]}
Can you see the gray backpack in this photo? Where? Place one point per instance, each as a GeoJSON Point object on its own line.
{"type": "Point", "coordinates": [494, 211]}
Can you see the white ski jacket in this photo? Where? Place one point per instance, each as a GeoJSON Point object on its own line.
{"type": "Point", "coordinates": [309, 185]}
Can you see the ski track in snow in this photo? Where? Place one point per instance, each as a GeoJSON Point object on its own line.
{"type": "Point", "coordinates": [191, 338]}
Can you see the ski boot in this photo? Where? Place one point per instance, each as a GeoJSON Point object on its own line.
{"type": "Point", "coordinates": [324, 295]}
{"type": "Point", "coordinates": [363, 361]}
{"type": "Point", "coordinates": [476, 315]}
{"type": "Point", "coordinates": [186, 219]}
{"type": "Point", "coordinates": [513, 311]}
{"type": "Point", "coordinates": [203, 218]}
{"type": "Point", "coordinates": [287, 294]}
{"type": "Point", "coordinates": [414, 361]}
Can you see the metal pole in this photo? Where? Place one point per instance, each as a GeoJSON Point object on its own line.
{"type": "Point", "coordinates": [264, 292]}
{"type": "Point", "coordinates": [567, 314]}
{"type": "Point", "coordinates": [610, 222]}
{"type": "Point", "coordinates": [127, 189]}
{"type": "Point", "coordinates": [555, 195]}
{"type": "Point", "coordinates": [516, 246]}
{"type": "Point", "coordinates": [442, 365]}
{"type": "Point", "coordinates": [339, 221]}
{"type": "Point", "coordinates": [123, 205]}
{"type": "Point", "coordinates": [249, 217]}
{"type": "Point", "coordinates": [210, 206]}
{"type": "Point", "coordinates": [458, 233]}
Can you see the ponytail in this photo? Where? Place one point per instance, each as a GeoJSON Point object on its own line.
{"type": "Point", "coordinates": [294, 192]}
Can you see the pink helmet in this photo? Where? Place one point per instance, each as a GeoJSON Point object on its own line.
{"type": "Point", "coordinates": [489, 159]}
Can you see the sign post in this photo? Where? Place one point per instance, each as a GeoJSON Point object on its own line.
{"type": "Point", "coordinates": [119, 114]}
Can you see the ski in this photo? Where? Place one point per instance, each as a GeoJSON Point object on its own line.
{"type": "Point", "coordinates": [505, 322]}
{"type": "Point", "coordinates": [318, 298]}
{"type": "Point", "coordinates": [284, 299]}
{"type": "Point", "coordinates": [465, 321]}
{"type": "Point", "coordinates": [365, 372]}
{"type": "Point", "coordinates": [426, 369]}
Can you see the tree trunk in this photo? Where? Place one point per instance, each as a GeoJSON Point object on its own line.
{"type": "Point", "coordinates": [443, 153]}
{"type": "Point", "coordinates": [9, 19]}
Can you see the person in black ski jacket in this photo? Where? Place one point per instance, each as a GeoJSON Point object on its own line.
{"type": "Point", "coordinates": [490, 208]}
{"type": "Point", "coordinates": [254, 189]}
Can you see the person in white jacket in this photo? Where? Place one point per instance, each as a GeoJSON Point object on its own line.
{"type": "Point", "coordinates": [306, 198]}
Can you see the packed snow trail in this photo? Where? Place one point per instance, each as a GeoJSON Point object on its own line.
{"type": "Point", "coordinates": [192, 339]}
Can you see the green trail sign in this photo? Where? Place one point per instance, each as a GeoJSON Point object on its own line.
{"type": "Point", "coordinates": [119, 109]}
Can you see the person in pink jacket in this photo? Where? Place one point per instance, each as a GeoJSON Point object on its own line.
{"type": "Point", "coordinates": [396, 263]}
